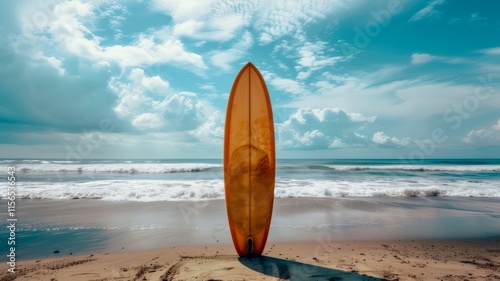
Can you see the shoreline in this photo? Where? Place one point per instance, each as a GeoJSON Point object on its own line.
{"type": "Point", "coordinates": [84, 226]}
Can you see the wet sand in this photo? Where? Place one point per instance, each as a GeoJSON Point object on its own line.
{"type": "Point", "coordinates": [434, 238]}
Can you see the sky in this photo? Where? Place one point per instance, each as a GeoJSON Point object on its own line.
{"type": "Point", "coordinates": [402, 79]}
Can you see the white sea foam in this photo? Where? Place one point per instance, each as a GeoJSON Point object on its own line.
{"type": "Point", "coordinates": [128, 167]}
{"type": "Point", "coordinates": [430, 168]}
{"type": "Point", "coordinates": [174, 190]}
{"type": "Point", "coordinates": [124, 190]}
{"type": "Point", "coordinates": [123, 168]}
{"type": "Point", "coordinates": [153, 180]}
{"type": "Point", "coordinates": [381, 187]}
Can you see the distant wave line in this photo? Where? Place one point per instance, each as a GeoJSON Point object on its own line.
{"type": "Point", "coordinates": [120, 169]}
{"type": "Point", "coordinates": [416, 168]}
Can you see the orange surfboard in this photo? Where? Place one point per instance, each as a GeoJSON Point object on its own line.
{"type": "Point", "coordinates": [249, 162]}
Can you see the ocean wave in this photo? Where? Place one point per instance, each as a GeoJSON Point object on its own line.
{"type": "Point", "coordinates": [160, 166]}
{"type": "Point", "coordinates": [416, 168]}
{"type": "Point", "coordinates": [193, 190]}
{"type": "Point", "coordinates": [123, 190]}
{"type": "Point", "coordinates": [48, 228]}
{"type": "Point", "coordinates": [120, 168]}
{"type": "Point", "coordinates": [34, 161]}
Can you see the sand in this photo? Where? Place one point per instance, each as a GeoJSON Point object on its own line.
{"type": "Point", "coordinates": [319, 260]}
{"type": "Point", "coordinates": [310, 239]}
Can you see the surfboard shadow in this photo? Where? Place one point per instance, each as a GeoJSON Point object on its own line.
{"type": "Point", "coordinates": [292, 270]}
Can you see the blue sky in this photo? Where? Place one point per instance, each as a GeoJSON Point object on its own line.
{"type": "Point", "coordinates": [347, 79]}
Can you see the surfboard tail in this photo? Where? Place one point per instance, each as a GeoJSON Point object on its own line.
{"type": "Point", "coordinates": [249, 248]}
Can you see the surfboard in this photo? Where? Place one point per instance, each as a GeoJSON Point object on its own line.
{"type": "Point", "coordinates": [249, 162]}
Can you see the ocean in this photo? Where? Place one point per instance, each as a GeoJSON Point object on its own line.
{"type": "Point", "coordinates": [175, 180]}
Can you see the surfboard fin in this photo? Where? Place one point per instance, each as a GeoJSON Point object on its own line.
{"type": "Point", "coordinates": [249, 248]}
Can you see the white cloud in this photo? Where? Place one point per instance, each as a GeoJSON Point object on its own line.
{"type": "Point", "coordinates": [45, 96]}
{"type": "Point", "coordinates": [265, 38]}
{"type": "Point", "coordinates": [212, 130]}
{"type": "Point", "coordinates": [225, 58]}
{"type": "Point", "coordinates": [152, 84]}
{"type": "Point", "coordinates": [207, 20]}
{"type": "Point", "coordinates": [310, 138]}
{"type": "Point", "coordinates": [311, 58]}
{"type": "Point", "coordinates": [496, 127]}
{"type": "Point", "coordinates": [75, 8]}
{"type": "Point", "coordinates": [188, 28]}
{"type": "Point", "coordinates": [183, 10]}
{"type": "Point", "coordinates": [52, 61]}
{"type": "Point", "coordinates": [216, 29]}
{"type": "Point", "coordinates": [428, 11]}
{"type": "Point", "coordinates": [382, 139]}
{"type": "Point", "coordinates": [207, 87]}
{"type": "Point", "coordinates": [491, 51]}
{"type": "Point", "coordinates": [146, 51]}
{"type": "Point", "coordinates": [415, 97]}
{"type": "Point", "coordinates": [116, 14]}
{"type": "Point", "coordinates": [358, 117]}
{"type": "Point", "coordinates": [181, 111]}
{"type": "Point", "coordinates": [337, 143]}
{"type": "Point", "coordinates": [418, 58]}
{"type": "Point", "coordinates": [484, 136]}
{"type": "Point", "coordinates": [276, 19]}
{"type": "Point", "coordinates": [379, 91]}
{"type": "Point", "coordinates": [68, 29]}
{"type": "Point", "coordinates": [288, 85]}
{"type": "Point", "coordinates": [321, 128]}
{"type": "Point", "coordinates": [223, 20]}
{"type": "Point", "coordinates": [147, 121]}
{"type": "Point", "coordinates": [132, 102]}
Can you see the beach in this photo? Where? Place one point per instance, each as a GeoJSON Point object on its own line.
{"type": "Point", "coordinates": [332, 220]}
{"type": "Point", "coordinates": [355, 260]}
{"type": "Point", "coordinates": [406, 238]}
